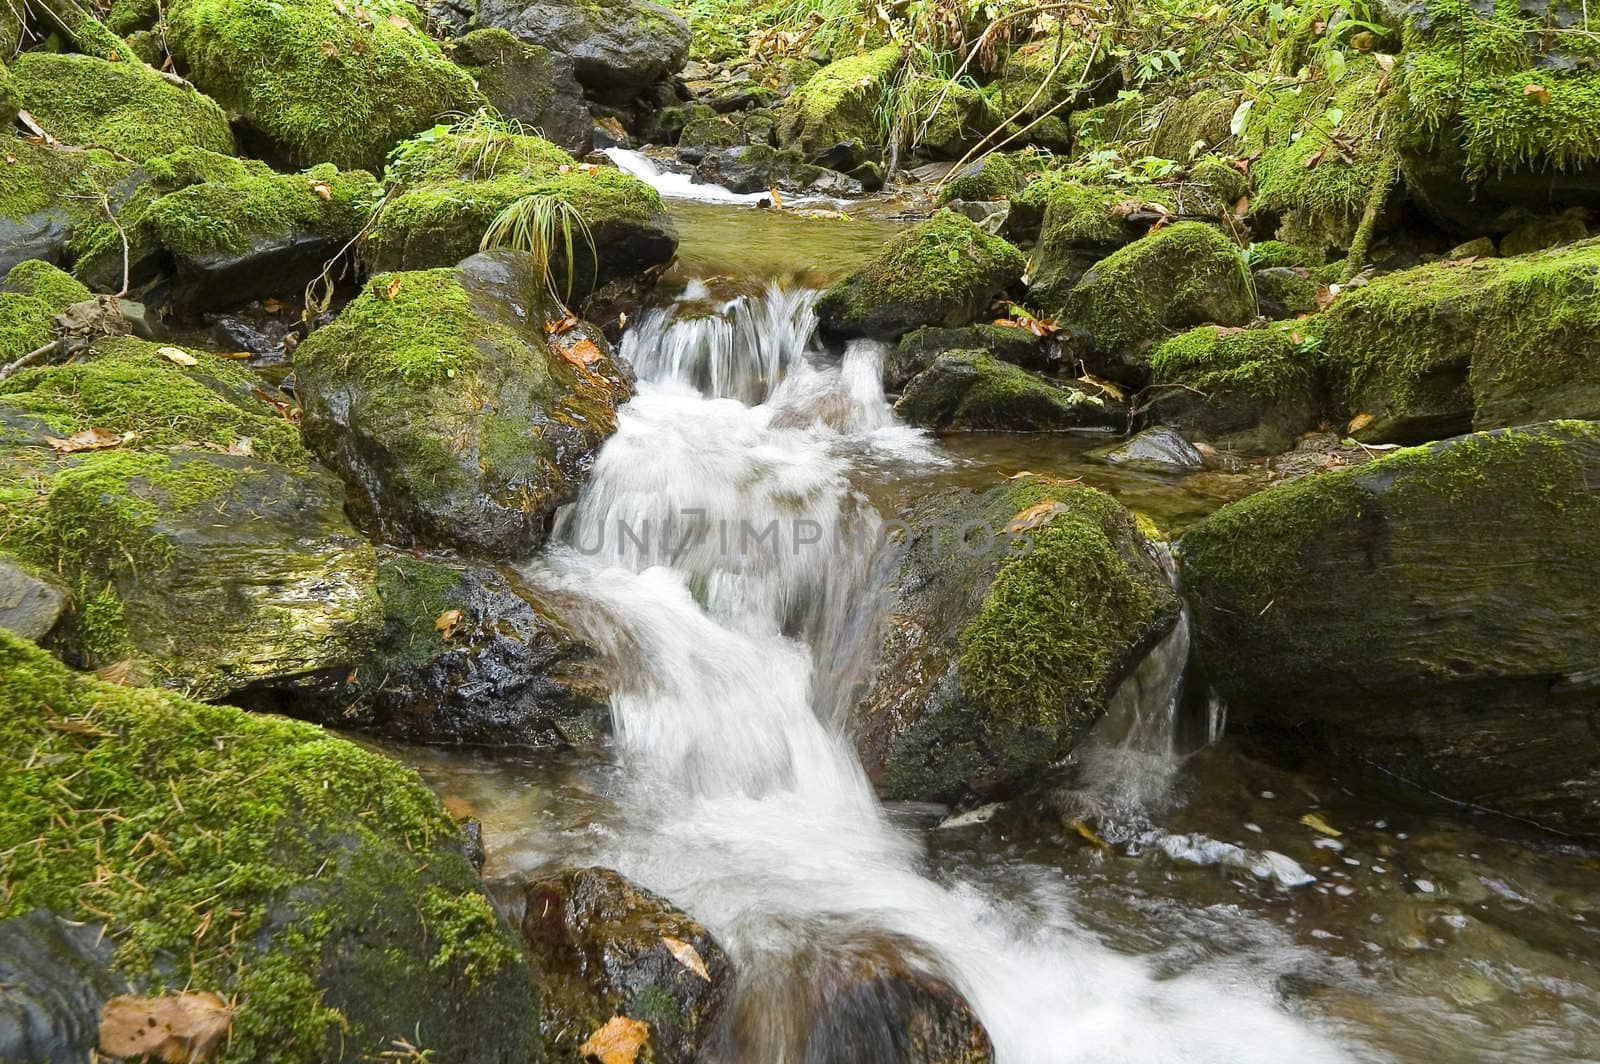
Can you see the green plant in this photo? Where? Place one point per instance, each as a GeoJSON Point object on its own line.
{"type": "Point", "coordinates": [543, 225]}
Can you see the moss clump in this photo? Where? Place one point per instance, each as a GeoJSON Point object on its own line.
{"type": "Point", "coordinates": [1250, 389]}
{"type": "Point", "coordinates": [1082, 221]}
{"type": "Point", "coordinates": [415, 592]}
{"type": "Point", "coordinates": [839, 103]}
{"type": "Point", "coordinates": [1270, 254]}
{"type": "Point", "coordinates": [947, 118]}
{"type": "Point", "coordinates": [425, 333]}
{"type": "Point", "coordinates": [990, 178]}
{"type": "Point", "coordinates": [1031, 74]}
{"type": "Point", "coordinates": [124, 106]}
{"type": "Point", "coordinates": [35, 178]}
{"type": "Point", "coordinates": [130, 16]}
{"type": "Point", "coordinates": [10, 97]}
{"type": "Point", "coordinates": [1191, 124]}
{"type": "Point", "coordinates": [1179, 276]}
{"type": "Point", "coordinates": [255, 857]}
{"type": "Point", "coordinates": [320, 81]}
{"type": "Point", "coordinates": [32, 294]}
{"type": "Point", "coordinates": [966, 391]}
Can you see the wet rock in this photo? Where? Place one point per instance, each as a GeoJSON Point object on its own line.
{"type": "Point", "coordinates": [1284, 292]}
{"type": "Point", "coordinates": [1457, 581]}
{"type": "Point", "coordinates": [706, 132]}
{"type": "Point", "coordinates": [1539, 233]}
{"type": "Point", "coordinates": [38, 216]}
{"type": "Point", "coordinates": [438, 397]}
{"type": "Point", "coordinates": [941, 272]}
{"type": "Point", "coordinates": [1002, 648]}
{"type": "Point", "coordinates": [917, 350]}
{"type": "Point", "coordinates": [758, 167]}
{"type": "Point", "coordinates": [990, 217]}
{"type": "Point", "coordinates": [528, 83]}
{"type": "Point", "coordinates": [602, 947]}
{"type": "Point", "coordinates": [618, 47]}
{"type": "Point", "coordinates": [352, 916]}
{"type": "Point", "coordinates": [837, 105]}
{"type": "Point", "coordinates": [30, 603]}
{"type": "Point", "coordinates": [1156, 450]}
{"type": "Point", "coordinates": [968, 391]}
{"type": "Point", "coordinates": [57, 976]}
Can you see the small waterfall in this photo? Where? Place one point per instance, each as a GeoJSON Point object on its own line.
{"type": "Point", "coordinates": [729, 561]}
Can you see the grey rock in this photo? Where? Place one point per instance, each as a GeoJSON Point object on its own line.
{"type": "Point", "coordinates": [1161, 449]}
{"type": "Point", "coordinates": [55, 978]}
{"type": "Point", "coordinates": [30, 605]}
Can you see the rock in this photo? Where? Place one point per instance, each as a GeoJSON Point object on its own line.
{"type": "Point", "coordinates": [1002, 649]}
{"type": "Point", "coordinates": [1193, 124]}
{"type": "Point", "coordinates": [603, 947]}
{"type": "Point", "coordinates": [448, 187]}
{"type": "Point", "coordinates": [1284, 292]}
{"type": "Point", "coordinates": [704, 131]}
{"type": "Point", "coordinates": [1458, 581]}
{"type": "Point", "coordinates": [951, 118]}
{"type": "Point", "coordinates": [618, 47]}
{"type": "Point", "coordinates": [455, 421]}
{"type": "Point", "coordinates": [1178, 277]}
{"type": "Point", "coordinates": [608, 131]}
{"type": "Point", "coordinates": [988, 216]}
{"type": "Point", "coordinates": [838, 104]}
{"type": "Point", "coordinates": [941, 272]}
{"type": "Point", "coordinates": [758, 167]}
{"type": "Point", "coordinates": [31, 295]}
{"type": "Point", "coordinates": [348, 917]}
{"type": "Point", "coordinates": [1156, 450]}
{"type": "Point", "coordinates": [126, 107]}
{"type": "Point", "coordinates": [58, 976]}
{"type": "Point", "coordinates": [311, 84]}
{"type": "Point", "coordinates": [1441, 349]}
{"type": "Point", "coordinates": [1477, 248]}
{"type": "Point", "coordinates": [1248, 390]}
{"type": "Point", "coordinates": [200, 570]}
{"type": "Point", "coordinates": [30, 602]}
{"type": "Point", "coordinates": [992, 177]}
{"type": "Point", "coordinates": [50, 192]}
{"type": "Point", "coordinates": [968, 391]}
{"type": "Point", "coordinates": [506, 670]}
{"type": "Point", "coordinates": [1540, 233]}
{"type": "Point", "coordinates": [1078, 224]}
{"type": "Point", "coordinates": [527, 83]}
{"type": "Point", "coordinates": [916, 350]}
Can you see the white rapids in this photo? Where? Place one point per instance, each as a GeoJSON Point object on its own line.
{"type": "Point", "coordinates": [729, 562]}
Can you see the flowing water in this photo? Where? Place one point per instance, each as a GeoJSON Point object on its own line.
{"type": "Point", "coordinates": [725, 548]}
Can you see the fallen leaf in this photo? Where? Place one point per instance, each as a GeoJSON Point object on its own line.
{"type": "Point", "coordinates": [1104, 385]}
{"type": "Point", "coordinates": [777, 198]}
{"type": "Point", "coordinates": [556, 328]}
{"type": "Point", "coordinates": [87, 440]}
{"type": "Point", "coordinates": [272, 306]}
{"type": "Point", "coordinates": [1035, 516]}
{"type": "Point", "coordinates": [1089, 834]}
{"type": "Point", "coordinates": [1314, 158]}
{"type": "Point", "coordinates": [446, 622]}
{"type": "Point", "coordinates": [582, 353]}
{"type": "Point", "coordinates": [392, 289]}
{"type": "Point", "coordinates": [1538, 93]}
{"type": "Point", "coordinates": [687, 956]}
{"type": "Point", "coordinates": [1327, 295]}
{"type": "Point", "coordinates": [118, 672]}
{"type": "Point", "coordinates": [618, 1042]}
{"type": "Point", "coordinates": [1385, 63]}
{"type": "Point", "coordinates": [1316, 823]}
{"type": "Point", "coordinates": [243, 446]}
{"type": "Point", "coordinates": [324, 193]}
{"type": "Point", "coordinates": [401, 21]}
{"type": "Point", "coordinates": [177, 355]}
{"type": "Point", "coordinates": [1359, 422]}
{"type": "Point", "coordinates": [1241, 206]}
{"type": "Point", "coordinates": [185, 1028]}
{"type": "Point", "coordinates": [622, 319]}
{"type": "Point", "coordinates": [329, 49]}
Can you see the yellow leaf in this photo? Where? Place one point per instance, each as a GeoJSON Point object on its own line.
{"type": "Point", "coordinates": [1089, 835]}
{"type": "Point", "coordinates": [324, 193]}
{"type": "Point", "coordinates": [582, 353]}
{"type": "Point", "coordinates": [1104, 385]}
{"type": "Point", "coordinates": [618, 1042]}
{"type": "Point", "coordinates": [1316, 823]}
{"type": "Point", "coordinates": [177, 355]}
{"type": "Point", "coordinates": [185, 1028]}
{"type": "Point", "coordinates": [243, 447]}
{"type": "Point", "coordinates": [393, 289]}
{"type": "Point", "coordinates": [687, 956]}
{"type": "Point", "coordinates": [1359, 422]}
{"type": "Point", "coordinates": [777, 197]}
{"type": "Point", "coordinates": [1538, 93]}
{"type": "Point", "coordinates": [446, 622]}
{"type": "Point", "coordinates": [1035, 516]}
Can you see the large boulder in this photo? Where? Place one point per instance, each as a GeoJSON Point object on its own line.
{"type": "Point", "coordinates": [316, 885]}
{"type": "Point", "coordinates": [969, 391]}
{"type": "Point", "coordinates": [202, 550]}
{"type": "Point", "coordinates": [917, 350]}
{"type": "Point", "coordinates": [319, 81]}
{"type": "Point", "coordinates": [837, 106]}
{"type": "Point", "coordinates": [944, 272]}
{"type": "Point", "coordinates": [527, 83]}
{"type": "Point", "coordinates": [1433, 615]}
{"type": "Point", "coordinates": [1178, 277]}
{"type": "Point", "coordinates": [1486, 343]}
{"type": "Point", "coordinates": [455, 420]}
{"type": "Point", "coordinates": [608, 953]}
{"type": "Point", "coordinates": [618, 47]}
{"type": "Point", "coordinates": [52, 193]}
{"type": "Point", "coordinates": [1016, 613]}
{"type": "Point", "coordinates": [128, 108]}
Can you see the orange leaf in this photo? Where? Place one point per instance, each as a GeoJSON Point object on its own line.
{"type": "Point", "coordinates": [446, 622]}
{"type": "Point", "coordinates": [618, 1042]}
{"type": "Point", "coordinates": [185, 1028]}
{"type": "Point", "coordinates": [1538, 93]}
{"type": "Point", "coordinates": [87, 440]}
{"type": "Point", "coordinates": [324, 193]}
{"type": "Point", "coordinates": [687, 956]}
{"type": "Point", "coordinates": [1035, 516]}
{"type": "Point", "coordinates": [582, 353]}
{"type": "Point", "coordinates": [393, 289]}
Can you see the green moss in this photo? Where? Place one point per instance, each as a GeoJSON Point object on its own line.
{"type": "Point", "coordinates": [840, 102]}
{"type": "Point", "coordinates": [1259, 363]}
{"type": "Point", "coordinates": [424, 334]}
{"type": "Point", "coordinates": [10, 97]}
{"type": "Point", "coordinates": [994, 177]}
{"type": "Point", "coordinates": [243, 854]}
{"type": "Point", "coordinates": [477, 148]}
{"type": "Point", "coordinates": [322, 81]}
{"type": "Point", "coordinates": [124, 106]}
{"type": "Point", "coordinates": [1272, 253]}
{"type": "Point", "coordinates": [30, 297]}
{"type": "Point", "coordinates": [232, 215]}
{"type": "Point", "coordinates": [1190, 124]}
{"type": "Point", "coordinates": [970, 391]}
{"type": "Point", "coordinates": [34, 178]}
{"type": "Point", "coordinates": [1030, 81]}
{"type": "Point", "coordinates": [129, 16]}
{"type": "Point", "coordinates": [415, 593]}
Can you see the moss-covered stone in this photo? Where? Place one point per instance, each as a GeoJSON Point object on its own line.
{"type": "Point", "coordinates": [527, 83]}
{"type": "Point", "coordinates": [1177, 277]}
{"type": "Point", "coordinates": [1284, 292]}
{"type": "Point", "coordinates": [126, 107]}
{"type": "Point", "coordinates": [454, 419]}
{"type": "Point", "coordinates": [990, 178]}
{"type": "Point", "coordinates": [917, 349]}
{"type": "Point", "coordinates": [316, 885]}
{"type": "Point", "coordinates": [968, 391]}
{"type": "Point", "coordinates": [948, 118]}
{"type": "Point", "coordinates": [10, 97]}
{"type": "Point", "coordinates": [1433, 614]}
{"type": "Point", "coordinates": [1536, 234]}
{"type": "Point", "coordinates": [1014, 647]}
{"type": "Point", "coordinates": [1045, 76]}
{"type": "Point", "coordinates": [839, 103]}
{"type": "Point", "coordinates": [318, 81]}
{"type": "Point", "coordinates": [1081, 223]}
{"type": "Point", "coordinates": [1189, 125]}
{"type": "Point", "coordinates": [1432, 351]}
{"type": "Point", "coordinates": [941, 272]}
{"type": "Point", "coordinates": [31, 295]}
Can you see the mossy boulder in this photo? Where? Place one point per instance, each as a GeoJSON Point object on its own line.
{"type": "Point", "coordinates": [1284, 292]}
{"type": "Point", "coordinates": [1178, 277]}
{"type": "Point", "coordinates": [838, 104]}
{"type": "Point", "coordinates": [449, 184]}
{"type": "Point", "coordinates": [31, 295]}
{"type": "Point", "coordinates": [1433, 615]}
{"type": "Point", "coordinates": [1016, 613]}
{"type": "Point", "coordinates": [128, 108]}
{"type": "Point", "coordinates": [1440, 349]}
{"type": "Point", "coordinates": [1250, 390]}
{"type": "Point", "coordinates": [1055, 75]}
{"type": "Point", "coordinates": [455, 420]}
{"type": "Point", "coordinates": [992, 177]}
{"type": "Point", "coordinates": [619, 48]}
{"type": "Point", "coordinates": [941, 272]}
{"type": "Point", "coordinates": [950, 118]}
{"type": "Point", "coordinates": [968, 391]}
{"type": "Point", "coordinates": [603, 947]}
{"type": "Point", "coordinates": [49, 194]}
{"type": "Point", "coordinates": [1188, 125]}
{"type": "Point", "coordinates": [917, 350]}
{"type": "Point", "coordinates": [318, 886]}
{"type": "Point", "coordinates": [527, 83]}
{"type": "Point", "coordinates": [318, 81]}
{"type": "Point", "coordinates": [1536, 234]}
{"type": "Point", "coordinates": [1080, 223]}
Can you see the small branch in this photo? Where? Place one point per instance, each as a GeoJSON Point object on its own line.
{"type": "Point", "coordinates": [105, 202]}
{"type": "Point", "coordinates": [28, 359]}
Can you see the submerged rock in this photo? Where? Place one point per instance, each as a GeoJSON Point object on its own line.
{"type": "Point", "coordinates": [1016, 613]}
{"type": "Point", "coordinates": [966, 391]}
{"type": "Point", "coordinates": [941, 272]}
{"type": "Point", "coordinates": [455, 420]}
{"type": "Point", "coordinates": [1156, 450]}
{"type": "Point", "coordinates": [1433, 615]}
{"type": "Point", "coordinates": [759, 167]}
{"type": "Point", "coordinates": [618, 47]}
{"type": "Point", "coordinates": [603, 947]}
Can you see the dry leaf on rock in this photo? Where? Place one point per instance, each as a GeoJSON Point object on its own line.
{"type": "Point", "coordinates": [618, 1042]}
{"type": "Point", "coordinates": [1035, 516]}
{"type": "Point", "coordinates": [87, 440]}
{"type": "Point", "coordinates": [178, 356]}
{"type": "Point", "coordinates": [582, 353]}
{"type": "Point", "coordinates": [446, 622]}
{"type": "Point", "coordinates": [185, 1028]}
{"type": "Point", "coordinates": [393, 289]}
{"type": "Point", "coordinates": [687, 956]}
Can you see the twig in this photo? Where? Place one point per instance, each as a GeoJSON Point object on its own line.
{"type": "Point", "coordinates": [32, 356]}
{"type": "Point", "coordinates": [105, 202]}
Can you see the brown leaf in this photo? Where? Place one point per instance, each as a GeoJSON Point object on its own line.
{"type": "Point", "coordinates": [392, 289]}
{"type": "Point", "coordinates": [1359, 422]}
{"type": "Point", "coordinates": [687, 956]}
{"type": "Point", "coordinates": [329, 49]}
{"type": "Point", "coordinates": [272, 306]}
{"type": "Point", "coordinates": [1538, 93]}
{"type": "Point", "coordinates": [185, 1028]}
{"type": "Point", "coordinates": [1327, 294]}
{"type": "Point", "coordinates": [324, 193]}
{"type": "Point", "coordinates": [1035, 516]}
{"type": "Point", "coordinates": [618, 1042]}
{"type": "Point", "coordinates": [1241, 206]}
{"type": "Point", "coordinates": [401, 21]}
{"type": "Point", "coordinates": [446, 622]}
{"type": "Point", "coordinates": [1090, 835]}
{"type": "Point", "coordinates": [1314, 158]}
{"type": "Point", "coordinates": [1104, 385]}
{"type": "Point", "coordinates": [118, 672]}
{"type": "Point", "coordinates": [87, 440]}
{"type": "Point", "coordinates": [556, 328]}
{"type": "Point", "coordinates": [582, 353]}
{"type": "Point", "coordinates": [177, 355]}
{"type": "Point", "coordinates": [243, 446]}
